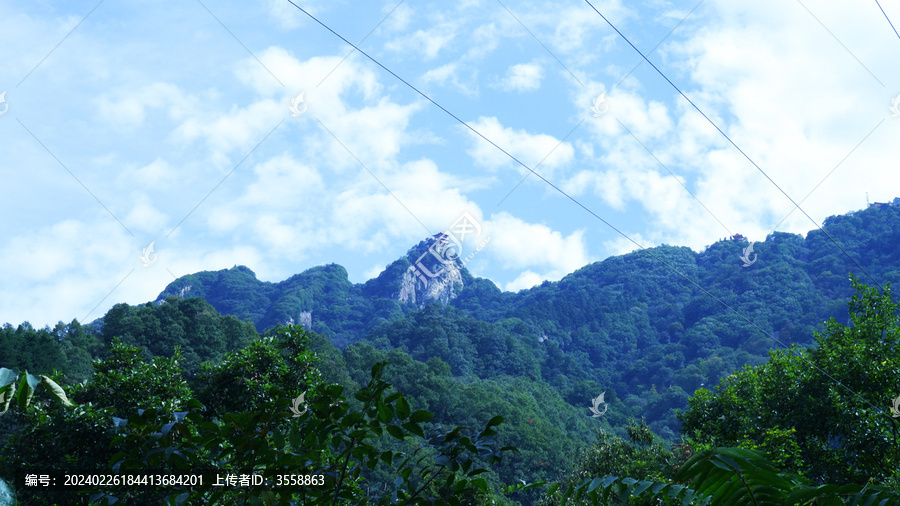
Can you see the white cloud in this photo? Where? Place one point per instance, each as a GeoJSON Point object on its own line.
{"type": "Point", "coordinates": [528, 148]}
{"type": "Point", "coordinates": [277, 209]}
{"type": "Point", "coordinates": [283, 182]}
{"type": "Point", "coordinates": [127, 108]}
{"type": "Point", "coordinates": [623, 246]}
{"type": "Point", "coordinates": [61, 271]}
{"type": "Point", "coordinates": [374, 134]}
{"type": "Point", "coordinates": [297, 75]}
{"type": "Point", "coordinates": [293, 210]}
{"type": "Point", "coordinates": [646, 119]}
{"type": "Point", "coordinates": [400, 17]}
{"type": "Point", "coordinates": [518, 245]}
{"type": "Point", "coordinates": [40, 256]}
{"type": "Point", "coordinates": [237, 130]}
{"type": "Point", "coordinates": [797, 110]}
{"type": "Point", "coordinates": [276, 234]}
{"type": "Point", "coordinates": [424, 196]}
{"type": "Point", "coordinates": [289, 17]}
{"type": "Point", "coordinates": [157, 174]}
{"type": "Point", "coordinates": [795, 101]}
{"type": "Point", "coordinates": [605, 184]}
{"type": "Point", "coordinates": [485, 40]}
{"type": "Point", "coordinates": [373, 272]}
{"type": "Point", "coordinates": [151, 136]}
{"type": "Point", "coordinates": [449, 74]}
{"type": "Point", "coordinates": [523, 77]}
{"type": "Point", "coordinates": [428, 42]}
{"type": "Point", "coordinates": [441, 74]}
{"type": "Point", "coordinates": [524, 281]}
{"type": "Point", "coordinates": [349, 103]}
{"type": "Point", "coordinates": [573, 23]}
{"type": "Point", "coordinates": [144, 215]}
{"type": "Point", "coordinates": [566, 28]}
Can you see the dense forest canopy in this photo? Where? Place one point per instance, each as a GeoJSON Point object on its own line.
{"type": "Point", "coordinates": [227, 350]}
{"type": "Point", "coordinates": [628, 325]}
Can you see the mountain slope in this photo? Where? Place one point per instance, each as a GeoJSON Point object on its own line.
{"type": "Point", "coordinates": [628, 325]}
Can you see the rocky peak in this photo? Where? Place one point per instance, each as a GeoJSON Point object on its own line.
{"type": "Point", "coordinates": [435, 273]}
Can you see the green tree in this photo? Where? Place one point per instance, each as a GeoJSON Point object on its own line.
{"type": "Point", "coordinates": [643, 456]}
{"type": "Point", "coordinates": [723, 476]}
{"type": "Point", "coordinates": [331, 437]}
{"type": "Point", "coordinates": [191, 324]}
{"type": "Point", "coordinates": [137, 415]}
{"type": "Point", "coordinates": [54, 435]}
{"type": "Point", "coordinates": [828, 406]}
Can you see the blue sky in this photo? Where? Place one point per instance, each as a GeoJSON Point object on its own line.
{"type": "Point", "coordinates": [131, 123]}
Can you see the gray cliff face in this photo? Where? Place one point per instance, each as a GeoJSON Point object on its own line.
{"type": "Point", "coordinates": [434, 274]}
{"type": "Point", "coordinates": [306, 319]}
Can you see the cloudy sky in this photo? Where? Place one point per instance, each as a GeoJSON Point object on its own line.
{"type": "Point", "coordinates": [228, 132]}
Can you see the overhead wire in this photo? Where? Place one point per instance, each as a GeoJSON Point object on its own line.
{"type": "Point", "coordinates": [608, 224]}
{"type": "Point", "coordinates": [796, 205]}
{"type": "Point", "coordinates": [711, 122]}
{"type": "Point", "coordinates": [887, 18]}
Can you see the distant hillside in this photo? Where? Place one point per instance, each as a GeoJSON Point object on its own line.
{"type": "Point", "coordinates": [627, 325]}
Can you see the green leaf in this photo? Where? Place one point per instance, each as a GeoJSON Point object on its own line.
{"type": "Point", "coordinates": [57, 391]}
{"type": "Point", "coordinates": [376, 369]}
{"type": "Point", "coordinates": [642, 487]}
{"type": "Point", "coordinates": [7, 376]}
{"type": "Point", "coordinates": [397, 432]}
{"type": "Point", "coordinates": [26, 389]}
{"type": "Point", "coordinates": [567, 493]}
{"type": "Point", "coordinates": [8, 392]}
{"type": "Point", "coordinates": [402, 408]}
{"type": "Point", "coordinates": [420, 416]}
{"type": "Point", "coordinates": [385, 412]}
{"type": "Point", "coordinates": [414, 428]}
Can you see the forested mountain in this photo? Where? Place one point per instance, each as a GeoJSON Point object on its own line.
{"type": "Point", "coordinates": [627, 327]}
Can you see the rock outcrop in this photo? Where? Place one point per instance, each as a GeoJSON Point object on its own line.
{"type": "Point", "coordinates": [435, 273]}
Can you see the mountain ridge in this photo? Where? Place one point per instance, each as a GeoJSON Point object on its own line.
{"type": "Point", "coordinates": [326, 294]}
{"type": "Point", "coordinates": [627, 327]}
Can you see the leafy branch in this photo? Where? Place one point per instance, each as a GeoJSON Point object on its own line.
{"type": "Point", "coordinates": [19, 389]}
{"type": "Point", "coordinates": [727, 476]}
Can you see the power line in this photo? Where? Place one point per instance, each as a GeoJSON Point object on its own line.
{"type": "Point", "coordinates": [887, 18]}
{"type": "Point", "coordinates": [673, 269]}
{"type": "Point", "coordinates": [839, 42]}
{"type": "Point", "coordinates": [711, 122]}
